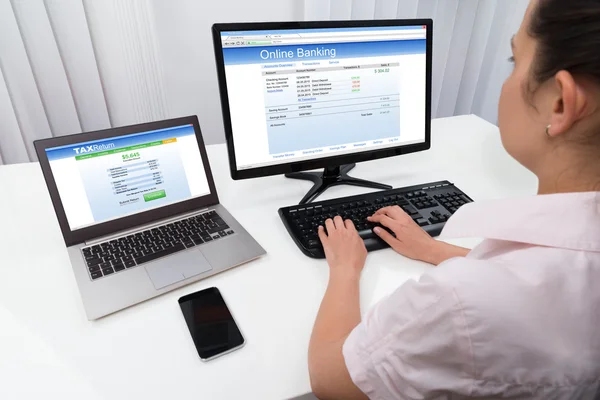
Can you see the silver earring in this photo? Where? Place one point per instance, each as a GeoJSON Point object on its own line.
{"type": "Point", "coordinates": [548, 131]}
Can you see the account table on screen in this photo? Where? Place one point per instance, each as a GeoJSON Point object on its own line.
{"type": "Point", "coordinates": [309, 108]}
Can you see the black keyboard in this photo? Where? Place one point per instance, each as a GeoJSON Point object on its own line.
{"type": "Point", "coordinates": [429, 205]}
{"type": "Point", "coordinates": [132, 250]}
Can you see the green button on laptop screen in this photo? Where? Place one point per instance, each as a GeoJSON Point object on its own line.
{"type": "Point", "coordinates": [155, 195]}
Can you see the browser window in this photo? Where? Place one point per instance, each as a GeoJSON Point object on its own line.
{"type": "Point", "coordinates": [303, 94]}
{"type": "Point", "coordinates": [102, 180]}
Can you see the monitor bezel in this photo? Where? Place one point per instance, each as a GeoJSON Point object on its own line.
{"type": "Point", "coordinates": [77, 236]}
{"type": "Point", "coordinates": [324, 162]}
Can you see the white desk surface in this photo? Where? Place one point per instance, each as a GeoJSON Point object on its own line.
{"type": "Point", "coordinates": [48, 347]}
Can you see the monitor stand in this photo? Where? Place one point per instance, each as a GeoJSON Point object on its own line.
{"type": "Point", "coordinates": [332, 176]}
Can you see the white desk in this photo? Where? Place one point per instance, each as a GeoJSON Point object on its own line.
{"type": "Point", "coordinates": [145, 352]}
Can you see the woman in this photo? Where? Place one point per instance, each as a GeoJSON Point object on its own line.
{"type": "Point", "coordinates": [518, 316]}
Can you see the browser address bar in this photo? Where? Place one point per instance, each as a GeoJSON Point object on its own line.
{"type": "Point", "coordinates": [373, 33]}
{"type": "Point", "coordinates": [334, 40]}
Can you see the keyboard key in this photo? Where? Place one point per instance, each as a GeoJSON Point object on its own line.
{"type": "Point", "coordinates": [410, 210]}
{"type": "Point", "coordinates": [367, 234]}
{"type": "Point", "coordinates": [213, 229]}
{"type": "Point", "coordinates": [96, 275]}
{"type": "Point", "coordinates": [313, 244]}
{"type": "Point", "coordinates": [94, 268]}
{"type": "Point", "coordinates": [94, 261]}
{"type": "Point", "coordinates": [108, 271]}
{"type": "Point", "coordinates": [422, 222]}
{"type": "Point", "coordinates": [119, 267]}
{"type": "Point", "coordinates": [130, 263]}
{"type": "Point", "coordinates": [105, 265]}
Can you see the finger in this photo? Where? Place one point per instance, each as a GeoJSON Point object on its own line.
{"type": "Point", "coordinates": [350, 225]}
{"type": "Point", "coordinates": [386, 236]}
{"type": "Point", "coordinates": [385, 211]}
{"type": "Point", "coordinates": [393, 212]}
{"type": "Point", "coordinates": [339, 222]}
{"type": "Point", "coordinates": [380, 211]}
{"type": "Point", "coordinates": [330, 226]}
{"type": "Point", "coordinates": [383, 220]}
{"type": "Point", "coordinates": [322, 235]}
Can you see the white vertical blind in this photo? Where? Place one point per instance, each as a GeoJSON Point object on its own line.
{"type": "Point", "coordinates": [46, 65]}
{"type": "Point", "coordinates": [407, 9]}
{"type": "Point", "coordinates": [75, 65]}
{"type": "Point", "coordinates": [457, 57]}
{"type": "Point", "coordinates": [475, 55]}
{"type": "Point", "coordinates": [124, 40]}
{"type": "Point", "coordinates": [70, 28]}
{"type": "Point", "coordinates": [10, 132]}
{"type": "Point", "coordinates": [22, 90]}
{"type": "Point", "coordinates": [471, 44]}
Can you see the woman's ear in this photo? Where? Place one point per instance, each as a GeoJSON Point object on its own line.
{"type": "Point", "coordinates": [569, 105]}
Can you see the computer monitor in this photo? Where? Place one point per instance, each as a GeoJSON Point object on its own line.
{"type": "Point", "coordinates": [299, 96]}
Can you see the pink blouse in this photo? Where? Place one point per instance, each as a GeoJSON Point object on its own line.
{"type": "Point", "coordinates": [519, 317]}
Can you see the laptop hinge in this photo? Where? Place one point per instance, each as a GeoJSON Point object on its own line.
{"type": "Point", "coordinates": [140, 228]}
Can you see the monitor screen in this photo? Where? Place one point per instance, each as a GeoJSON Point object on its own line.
{"type": "Point", "coordinates": [103, 180]}
{"type": "Point", "coordinates": [303, 94]}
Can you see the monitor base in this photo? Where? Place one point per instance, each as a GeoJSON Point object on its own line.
{"type": "Point", "coordinates": [332, 176]}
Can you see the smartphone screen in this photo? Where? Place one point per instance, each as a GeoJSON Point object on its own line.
{"type": "Point", "coordinates": [210, 323]}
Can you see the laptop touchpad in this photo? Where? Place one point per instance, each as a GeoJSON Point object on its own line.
{"type": "Point", "coordinates": [177, 267]}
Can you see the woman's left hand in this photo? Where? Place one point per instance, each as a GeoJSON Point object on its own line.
{"type": "Point", "coordinates": [345, 250]}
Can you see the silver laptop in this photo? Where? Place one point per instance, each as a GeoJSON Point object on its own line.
{"type": "Point", "coordinates": [139, 212]}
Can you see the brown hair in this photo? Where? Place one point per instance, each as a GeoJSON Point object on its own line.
{"type": "Point", "coordinates": [568, 36]}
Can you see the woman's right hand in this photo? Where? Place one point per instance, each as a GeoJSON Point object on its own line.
{"type": "Point", "coordinates": [411, 240]}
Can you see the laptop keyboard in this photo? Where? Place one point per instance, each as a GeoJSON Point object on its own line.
{"type": "Point", "coordinates": [130, 251]}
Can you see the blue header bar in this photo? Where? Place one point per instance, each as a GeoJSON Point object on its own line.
{"type": "Point", "coordinates": [95, 146]}
{"type": "Point", "coordinates": [321, 30]}
{"type": "Point", "coordinates": [326, 51]}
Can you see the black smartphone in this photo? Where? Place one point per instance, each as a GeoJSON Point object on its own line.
{"type": "Point", "coordinates": [211, 324]}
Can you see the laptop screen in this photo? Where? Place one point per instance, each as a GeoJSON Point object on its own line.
{"type": "Point", "coordinates": [103, 180]}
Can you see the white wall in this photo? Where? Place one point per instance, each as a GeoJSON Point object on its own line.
{"type": "Point", "coordinates": [183, 31]}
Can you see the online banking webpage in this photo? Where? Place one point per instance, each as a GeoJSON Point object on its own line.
{"type": "Point", "coordinates": [107, 179]}
{"type": "Point", "coordinates": [310, 93]}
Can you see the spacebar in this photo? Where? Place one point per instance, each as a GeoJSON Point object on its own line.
{"type": "Point", "coordinates": [158, 254]}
